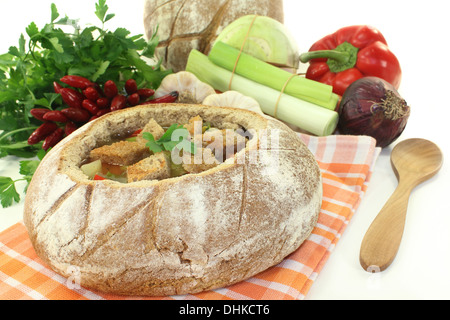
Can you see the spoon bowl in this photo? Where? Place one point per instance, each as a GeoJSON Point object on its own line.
{"type": "Point", "coordinates": [414, 161]}
{"type": "Point", "coordinates": [416, 157]}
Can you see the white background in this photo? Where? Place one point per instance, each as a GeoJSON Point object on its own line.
{"type": "Point", "coordinates": [418, 34]}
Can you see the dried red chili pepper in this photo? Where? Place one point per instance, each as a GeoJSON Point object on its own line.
{"type": "Point", "coordinates": [57, 87]}
{"type": "Point", "coordinates": [55, 115]}
{"type": "Point", "coordinates": [118, 102]}
{"type": "Point", "coordinates": [102, 103]}
{"type": "Point", "coordinates": [90, 106]}
{"type": "Point", "coordinates": [71, 97]}
{"type": "Point", "coordinates": [131, 86]}
{"type": "Point", "coordinates": [39, 113]}
{"type": "Point", "coordinates": [110, 89]}
{"type": "Point", "coordinates": [349, 54]}
{"type": "Point", "coordinates": [133, 99]}
{"type": "Point", "coordinates": [91, 93]}
{"type": "Point", "coordinates": [145, 93]}
{"type": "Point", "coordinates": [69, 128]}
{"type": "Point", "coordinates": [51, 140]}
{"type": "Point", "coordinates": [76, 114]}
{"type": "Point", "coordinates": [42, 132]}
{"type": "Point", "coordinates": [76, 81]}
{"type": "Point", "coordinates": [103, 112]}
{"type": "Point", "coordinates": [168, 98]}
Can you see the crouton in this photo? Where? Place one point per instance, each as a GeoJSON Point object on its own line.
{"type": "Point", "coordinates": [203, 160]}
{"type": "Point", "coordinates": [223, 143]}
{"type": "Point", "coordinates": [195, 125]}
{"type": "Point", "coordinates": [155, 167]}
{"type": "Point", "coordinates": [121, 153]}
{"type": "Point", "coordinates": [152, 127]}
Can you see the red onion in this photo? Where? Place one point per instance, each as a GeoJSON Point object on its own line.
{"type": "Point", "coordinates": [373, 107]}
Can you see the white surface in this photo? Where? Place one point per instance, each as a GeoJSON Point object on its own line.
{"type": "Point", "coordinates": [417, 33]}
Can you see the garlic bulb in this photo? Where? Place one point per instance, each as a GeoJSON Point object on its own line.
{"type": "Point", "coordinates": [190, 89]}
{"type": "Point", "coordinates": [233, 99]}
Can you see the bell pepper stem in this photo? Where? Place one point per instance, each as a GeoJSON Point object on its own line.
{"type": "Point", "coordinates": [341, 58]}
{"type": "Point", "coordinates": [338, 56]}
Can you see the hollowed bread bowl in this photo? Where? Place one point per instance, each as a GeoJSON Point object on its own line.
{"type": "Point", "coordinates": [179, 235]}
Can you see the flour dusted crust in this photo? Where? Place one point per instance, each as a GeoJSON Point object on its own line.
{"type": "Point", "coordinates": [184, 25]}
{"type": "Point", "coordinates": [180, 235]}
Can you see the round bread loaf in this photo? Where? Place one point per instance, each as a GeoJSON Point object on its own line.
{"type": "Point", "coordinates": [184, 25]}
{"type": "Point", "coordinates": [180, 235]}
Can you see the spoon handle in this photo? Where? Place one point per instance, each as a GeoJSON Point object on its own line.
{"type": "Point", "coordinates": [382, 240]}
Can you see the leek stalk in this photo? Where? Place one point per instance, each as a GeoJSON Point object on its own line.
{"type": "Point", "coordinates": [271, 76]}
{"type": "Point", "coordinates": [303, 114]}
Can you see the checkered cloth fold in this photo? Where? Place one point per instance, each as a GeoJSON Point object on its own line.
{"type": "Point", "coordinates": [346, 164]}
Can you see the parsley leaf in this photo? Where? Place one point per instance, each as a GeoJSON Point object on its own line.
{"type": "Point", "coordinates": [176, 136]}
{"type": "Point", "coordinates": [154, 146]}
{"type": "Point", "coordinates": [100, 11]}
{"type": "Point", "coordinates": [27, 169]}
{"type": "Point", "coordinates": [8, 192]}
{"type": "Point", "coordinates": [55, 13]}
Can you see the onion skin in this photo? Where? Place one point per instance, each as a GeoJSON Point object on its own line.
{"type": "Point", "coordinates": [371, 106]}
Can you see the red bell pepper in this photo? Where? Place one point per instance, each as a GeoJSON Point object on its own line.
{"type": "Point", "coordinates": [136, 133]}
{"type": "Point", "coordinates": [351, 53]}
{"type": "Point", "coordinates": [99, 177]}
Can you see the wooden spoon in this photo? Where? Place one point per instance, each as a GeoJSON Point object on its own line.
{"type": "Point", "coordinates": [413, 161]}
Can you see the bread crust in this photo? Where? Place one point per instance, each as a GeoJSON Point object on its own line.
{"type": "Point", "coordinates": [180, 235]}
{"type": "Point", "coordinates": [184, 25]}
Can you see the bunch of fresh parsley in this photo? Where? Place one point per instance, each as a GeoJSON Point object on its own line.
{"type": "Point", "coordinates": [27, 73]}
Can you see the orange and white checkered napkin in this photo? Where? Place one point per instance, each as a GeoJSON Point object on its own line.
{"type": "Point", "coordinates": [346, 164]}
